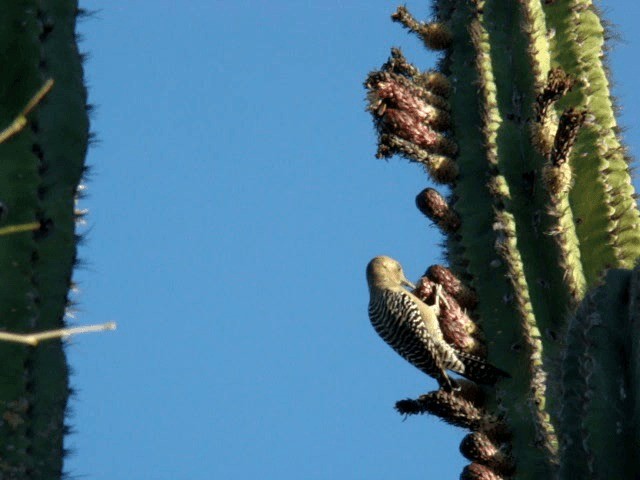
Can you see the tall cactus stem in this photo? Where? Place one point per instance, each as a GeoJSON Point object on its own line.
{"type": "Point", "coordinates": [507, 243]}
{"type": "Point", "coordinates": [596, 391]}
{"type": "Point", "coordinates": [602, 178]}
{"type": "Point", "coordinates": [41, 162]}
{"type": "Point", "coordinates": [634, 376]}
{"type": "Point", "coordinates": [540, 223]}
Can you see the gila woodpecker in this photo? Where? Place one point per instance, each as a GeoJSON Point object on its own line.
{"type": "Point", "coordinates": [411, 328]}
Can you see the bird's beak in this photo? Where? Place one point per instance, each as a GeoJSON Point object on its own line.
{"type": "Point", "coordinates": [407, 283]}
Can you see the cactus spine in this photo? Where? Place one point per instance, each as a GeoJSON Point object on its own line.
{"type": "Point", "coordinates": [540, 207]}
{"type": "Point", "coordinates": [41, 164]}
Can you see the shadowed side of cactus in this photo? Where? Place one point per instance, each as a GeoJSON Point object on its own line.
{"type": "Point", "coordinates": [518, 126]}
{"type": "Point", "coordinates": [41, 165]}
{"type": "Point", "coordinates": [597, 431]}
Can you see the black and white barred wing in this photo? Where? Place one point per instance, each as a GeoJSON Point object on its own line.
{"type": "Point", "coordinates": [398, 320]}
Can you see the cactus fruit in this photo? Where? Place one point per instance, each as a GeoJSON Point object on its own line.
{"type": "Point", "coordinates": [542, 230]}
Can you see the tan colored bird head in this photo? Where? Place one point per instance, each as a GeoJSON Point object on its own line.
{"type": "Point", "coordinates": [385, 272]}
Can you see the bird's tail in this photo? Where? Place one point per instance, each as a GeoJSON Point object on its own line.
{"type": "Point", "coordinates": [478, 370]}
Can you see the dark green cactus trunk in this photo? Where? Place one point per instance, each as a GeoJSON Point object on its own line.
{"type": "Point", "coordinates": [543, 207]}
{"type": "Point", "coordinates": [40, 169]}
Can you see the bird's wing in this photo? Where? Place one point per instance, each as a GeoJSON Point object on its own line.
{"type": "Point", "coordinates": [420, 320]}
{"type": "Point", "coordinates": [444, 353]}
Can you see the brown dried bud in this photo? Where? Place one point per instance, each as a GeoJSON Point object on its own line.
{"type": "Point", "coordinates": [397, 63]}
{"type": "Point", "coordinates": [406, 94]}
{"type": "Point", "coordinates": [437, 83]}
{"type": "Point", "coordinates": [460, 330]}
{"type": "Point", "coordinates": [404, 110]}
{"type": "Point", "coordinates": [498, 188]}
{"type": "Point", "coordinates": [426, 290]}
{"type": "Point", "coordinates": [431, 81]}
{"type": "Point", "coordinates": [435, 36]}
{"type": "Point", "coordinates": [406, 126]}
{"type": "Point", "coordinates": [475, 471]}
{"type": "Point", "coordinates": [557, 175]}
{"type": "Point", "coordinates": [457, 327]}
{"type": "Point", "coordinates": [568, 127]}
{"type": "Point", "coordinates": [465, 297]}
{"type": "Point", "coordinates": [434, 206]}
{"type": "Point", "coordinates": [558, 84]}
{"type": "Point", "coordinates": [479, 448]}
{"type": "Point", "coordinates": [446, 146]}
{"type": "Point", "coordinates": [470, 391]}
{"type": "Point", "coordinates": [402, 15]}
{"type": "Point", "coordinates": [433, 99]}
{"type": "Point", "coordinates": [542, 136]}
{"type": "Point", "coordinates": [441, 168]}
{"type": "Point", "coordinates": [455, 410]}
{"type": "Point", "coordinates": [557, 179]}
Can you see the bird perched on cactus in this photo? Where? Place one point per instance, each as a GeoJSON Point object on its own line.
{"type": "Point", "coordinates": [411, 328]}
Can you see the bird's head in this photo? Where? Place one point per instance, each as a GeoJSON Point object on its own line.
{"type": "Point", "coordinates": [385, 272]}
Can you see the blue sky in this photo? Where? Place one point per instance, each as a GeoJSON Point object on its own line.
{"type": "Point", "coordinates": [234, 203]}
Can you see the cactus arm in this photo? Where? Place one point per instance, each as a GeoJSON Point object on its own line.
{"type": "Point", "coordinates": [476, 242]}
{"type": "Point", "coordinates": [602, 197]}
{"type": "Point", "coordinates": [541, 206]}
{"type": "Point", "coordinates": [62, 139]}
{"type": "Point", "coordinates": [19, 182]}
{"type": "Point", "coordinates": [596, 430]}
{"type": "Point", "coordinates": [41, 161]}
{"type": "Point", "coordinates": [540, 259]}
{"type": "Point", "coordinates": [634, 354]}
{"type": "Point", "coordinates": [511, 235]}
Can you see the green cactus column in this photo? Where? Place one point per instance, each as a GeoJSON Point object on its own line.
{"type": "Point", "coordinates": [518, 126]}
{"type": "Point", "coordinates": [40, 169]}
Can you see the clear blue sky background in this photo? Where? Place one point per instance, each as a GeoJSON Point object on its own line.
{"type": "Point", "coordinates": [234, 203]}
